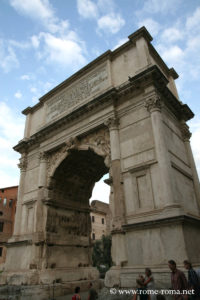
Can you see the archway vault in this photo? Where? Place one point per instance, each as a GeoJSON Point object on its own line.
{"type": "Point", "coordinates": [97, 142]}
{"type": "Point", "coordinates": [74, 178]}
{"type": "Point", "coordinates": [72, 171]}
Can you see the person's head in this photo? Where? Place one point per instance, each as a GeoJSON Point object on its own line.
{"type": "Point", "coordinates": [187, 264]}
{"type": "Point", "coordinates": [172, 265]}
{"type": "Point", "coordinates": [148, 272]}
{"type": "Point", "coordinates": [77, 290]}
{"type": "Point", "coordinates": [90, 285]}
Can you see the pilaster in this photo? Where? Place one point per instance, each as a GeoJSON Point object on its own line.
{"type": "Point", "coordinates": [119, 254]}
{"type": "Point", "coordinates": [186, 134]}
{"type": "Point", "coordinates": [18, 217]}
{"type": "Point", "coordinates": [153, 104]}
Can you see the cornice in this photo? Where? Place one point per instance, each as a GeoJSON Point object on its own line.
{"type": "Point", "coordinates": [150, 76]}
{"type": "Point", "coordinates": [183, 219]}
{"type": "Point", "coordinates": [154, 76]}
{"type": "Point", "coordinates": [108, 55]}
{"type": "Point", "coordinates": [25, 143]}
{"type": "Point", "coordinates": [141, 32]}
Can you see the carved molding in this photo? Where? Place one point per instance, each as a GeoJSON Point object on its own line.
{"type": "Point", "coordinates": [186, 134]}
{"type": "Point", "coordinates": [76, 223]}
{"type": "Point", "coordinates": [98, 141]}
{"type": "Point", "coordinates": [153, 103]}
{"type": "Point", "coordinates": [43, 156]}
{"type": "Point", "coordinates": [112, 123]}
{"type": "Point", "coordinates": [23, 163]}
{"type": "Point", "coordinates": [78, 93]}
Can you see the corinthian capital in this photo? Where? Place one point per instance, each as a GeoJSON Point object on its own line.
{"type": "Point", "coordinates": [186, 134]}
{"type": "Point", "coordinates": [43, 156]}
{"type": "Point", "coordinates": [112, 123]}
{"type": "Point", "coordinates": [23, 163]}
{"type": "Point", "coordinates": [153, 103]}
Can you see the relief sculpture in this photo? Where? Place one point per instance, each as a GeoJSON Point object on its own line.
{"type": "Point", "coordinates": [77, 223]}
{"type": "Point", "coordinates": [78, 93]}
{"type": "Point", "coordinates": [99, 142]}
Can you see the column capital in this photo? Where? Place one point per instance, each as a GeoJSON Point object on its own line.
{"type": "Point", "coordinates": [186, 134]}
{"type": "Point", "coordinates": [112, 123]}
{"type": "Point", "coordinates": [23, 163]}
{"type": "Point", "coordinates": [43, 156]}
{"type": "Point", "coordinates": [153, 103]}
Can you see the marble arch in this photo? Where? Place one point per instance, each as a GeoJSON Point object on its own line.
{"type": "Point", "coordinates": [121, 113]}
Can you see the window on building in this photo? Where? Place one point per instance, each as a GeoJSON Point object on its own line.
{"type": "Point", "coordinates": [102, 220]}
{"type": "Point", "coordinates": [1, 213]}
{"type": "Point", "coordinates": [1, 251]}
{"type": "Point", "coordinates": [2, 190]}
{"type": "Point", "coordinates": [93, 219]}
{"type": "Point", "coordinates": [1, 226]}
{"type": "Point", "coordinates": [10, 202]}
{"type": "Point", "coordinates": [4, 201]}
{"type": "Point", "coordinates": [93, 236]}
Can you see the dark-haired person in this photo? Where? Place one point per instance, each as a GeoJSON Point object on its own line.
{"type": "Point", "coordinates": [141, 290]}
{"type": "Point", "coordinates": [76, 296]}
{"type": "Point", "coordinates": [92, 292]}
{"type": "Point", "coordinates": [149, 283]}
{"type": "Point", "coordinates": [193, 280]}
{"type": "Point", "coordinates": [178, 280]}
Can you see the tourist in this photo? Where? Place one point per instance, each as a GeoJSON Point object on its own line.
{"type": "Point", "coordinates": [149, 283]}
{"type": "Point", "coordinates": [76, 296]}
{"type": "Point", "coordinates": [141, 290]}
{"type": "Point", "coordinates": [92, 293]}
{"type": "Point", "coordinates": [193, 280]}
{"type": "Point", "coordinates": [178, 281]}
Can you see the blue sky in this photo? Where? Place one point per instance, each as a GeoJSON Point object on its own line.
{"type": "Point", "coordinates": [43, 42]}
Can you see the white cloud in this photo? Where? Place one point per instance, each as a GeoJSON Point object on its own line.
{"type": "Point", "coordinates": [157, 6]}
{"type": "Point", "coordinates": [7, 180]}
{"type": "Point", "coordinates": [120, 42]}
{"type": "Point", "coordinates": [20, 45]}
{"type": "Point", "coordinates": [193, 22]}
{"type": "Point", "coordinates": [112, 23]}
{"type": "Point", "coordinates": [101, 191]}
{"type": "Point", "coordinates": [179, 46]}
{"type": "Point", "coordinates": [172, 54]}
{"type": "Point", "coordinates": [8, 58]}
{"type": "Point", "coordinates": [33, 90]}
{"type": "Point", "coordinates": [65, 51]}
{"type": "Point", "coordinates": [35, 41]}
{"type": "Point", "coordinates": [195, 128]}
{"type": "Point", "coordinates": [11, 131]}
{"type": "Point", "coordinates": [40, 10]}
{"type": "Point", "coordinates": [25, 77]}
{"type": "Point", "coordinates": [172, 34]}
{"type": "Point", "coordinates": [18, 95]}
{"type": "Point", "coordinates": [87, 9]}
{"type": "Point", "coordinates": [103, 11]}
{"type": "Point", "coordinates": [152, 26]}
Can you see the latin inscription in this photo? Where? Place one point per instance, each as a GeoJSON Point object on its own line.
{"type": "Point", "coordinates": [79, 93]}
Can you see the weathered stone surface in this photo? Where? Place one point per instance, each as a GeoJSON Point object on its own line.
{"type": "Point", "coordinates": [120, 114]}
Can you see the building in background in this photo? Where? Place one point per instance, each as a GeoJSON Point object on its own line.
{"type": "Point", "coordinates": [8, 199]}
{"type": "Point", "coordinates": [100, 219]}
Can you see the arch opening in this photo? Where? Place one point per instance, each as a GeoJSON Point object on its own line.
{"type": "Point", "coordinates": [75, 177]}
{"type": "Point", "coordinates": [68, 225]}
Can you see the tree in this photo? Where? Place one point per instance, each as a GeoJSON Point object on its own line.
{"type": "Point", "coordinates": [101, 255]}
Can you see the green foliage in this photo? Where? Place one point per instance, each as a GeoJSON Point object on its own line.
{"type": "Point", "coordinates": [101, 255]}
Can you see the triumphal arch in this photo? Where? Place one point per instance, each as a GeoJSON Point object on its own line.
{"type": "Point", "coordinates": [121, 115]}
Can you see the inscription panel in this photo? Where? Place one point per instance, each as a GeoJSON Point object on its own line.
{"type": "Point", "coordinates": [77, 94]}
